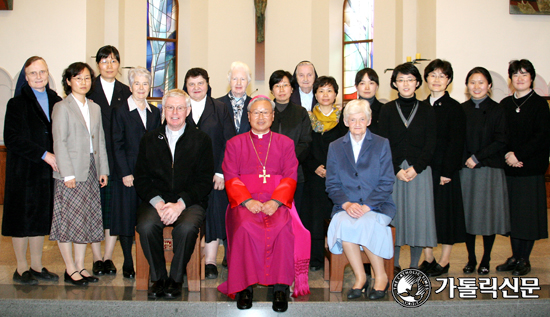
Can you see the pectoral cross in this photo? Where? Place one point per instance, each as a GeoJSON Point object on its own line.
{"type": "Point", "coordinates": [264, 175]}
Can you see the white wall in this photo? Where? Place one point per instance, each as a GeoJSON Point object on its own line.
{"type": "Point", "coordinates": [474, 33]}
{"type": "Point", "coordinates": [214, 33]}
{"type": "Point", "coordinates": [55, 30]}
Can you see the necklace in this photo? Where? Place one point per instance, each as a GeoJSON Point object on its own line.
{"type": "Point", "coordinates": [263, 175]}
{"type": "Point", "coordinates": [407, 121]}
{"type": "Point", "coordinates": [518, 107]}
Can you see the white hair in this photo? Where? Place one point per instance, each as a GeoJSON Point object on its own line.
{"type": "Point", "coordinates": [239, 65]}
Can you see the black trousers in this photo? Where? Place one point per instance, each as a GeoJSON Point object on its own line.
{"type": "Point", "coordinates": [184, 235]}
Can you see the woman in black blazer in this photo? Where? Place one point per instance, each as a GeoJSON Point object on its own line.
{"type": "Point", "coordinates": [214, 118]}
{"type": "Point", "coordinates": [528, 122]}
{"type": "Point", "coordinates": [446, 164]}
{"type": "Point", "coordinates": [108, 93]}
{"type": "Point", "coordinates": [327, 123]}
{"type": "Point", "coordinates": [483, 181]}
{"type": "Point", "coordinates": [129, 123]}
{"type": "Point", "coordinates": [409, 125]}
{"type": "Point", "coordinates": [366, 84]}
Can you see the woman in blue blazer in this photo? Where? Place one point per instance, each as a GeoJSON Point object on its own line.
{"type": "Point", "coordinates": [360, 183]}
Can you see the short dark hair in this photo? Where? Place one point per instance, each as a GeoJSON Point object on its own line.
{"type": "Point", "coordinates": [277, 76]}
{"type": "Point", "coordinates": [105, 52]}
{"type": "Point", "coordinates": [325, 81]}
{"type": "Point", "coordinates": [406, 69]}
{"type": "Point", "coordinates": [31, 60]}
{"type": "Point", "coordinates": [373, 76]}
{"type": "Point", "coordinates": [196, 72]}
{"type": "Point", "coordinates": [73, 70]}
{"type": "Point", "coordinates": [479, 70]}
{"type": "Point", "coordinates": [294, 80]}
{"type": "Point", "coordinates": [517, 65]}
{"type": "Point", "coordinates": [444, 66]}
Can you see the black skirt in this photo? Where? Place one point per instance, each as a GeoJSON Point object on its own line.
{"type": "Point", "coordinates": [215, 215]}
{"type": "Point", "coordinates": [528, 213]}
{"type": "Point", "coordinates": [449, 209]}
{"type": "Point", "coordinates": [124, 213]}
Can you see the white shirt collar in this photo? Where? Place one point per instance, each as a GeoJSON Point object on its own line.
{"type": "Point", "coordinates": [198, 108]}
{"type": "Point", "coordinates": [260, 136]}
{"type": "Point", "coordinates": [306, 99]}
{"type": "Point", "coordinates": [132, 105]}
{"type": "Point", "coordinates": [356, 146]}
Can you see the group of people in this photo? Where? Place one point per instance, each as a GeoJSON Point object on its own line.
{"type": "Point", "coordinates": [261, 176]}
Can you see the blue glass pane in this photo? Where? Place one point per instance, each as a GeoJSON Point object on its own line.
{"type": "Point", "coordinates": [161, 18]}
{"type": "Point", "coordinates": [356, 57]}
{"type": "Point", "coordinates": [161, 61]}
{"type": "Point", "coordinates": [358, 20]}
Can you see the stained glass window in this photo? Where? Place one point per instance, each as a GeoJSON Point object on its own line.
{"type": "Point", "coordinates": [162, 17]}
{"type": "Point", "coordinates": [357, 46]}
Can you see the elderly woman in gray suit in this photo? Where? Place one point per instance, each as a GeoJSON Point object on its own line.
{"type": "Point", "coordinates": [79, 147]}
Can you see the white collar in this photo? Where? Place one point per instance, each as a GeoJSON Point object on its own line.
{"type": "Point", "coordinates": [80, 104]}
{"type": "Point", "coordinates": [132, 105]}
{"type": "Point", "coordinates": [106, 83]}
{"type": "Point", "coordinates": [260, 136]}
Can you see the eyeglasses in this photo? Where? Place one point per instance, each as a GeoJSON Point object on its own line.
{"type": "Point", "coordinates": [409, 80]}
{"type": "Point", "coordinates": [35, 74]}
{"type": "Point", "coordinates": [108, 61]}
{"type": "Point", "coordinates": [437, 76]}
{"type": "Point", "coordinates": [257, 114]}
{"type": "Point", "coordinates": [281, 86]}
{"type": "Point", "coordinates": [82, 80]}
{"type": "Point", "coordinates": [175, 109]}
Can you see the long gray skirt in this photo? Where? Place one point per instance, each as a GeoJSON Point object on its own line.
{"type": "Point", "coordinates": [414, 221]}
{"type": "Point", "coordinates": [77, 211]}
{"type": "Point", "coordinates": [486, 207]}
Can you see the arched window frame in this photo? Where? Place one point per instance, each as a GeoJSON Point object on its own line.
{"type": "Point", "coordinates": [348, 74]}
{"type": "Point", "coordinates": [170, 79]}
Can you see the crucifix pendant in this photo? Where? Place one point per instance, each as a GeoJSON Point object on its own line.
{"type": "Point", "coordinates": [264, 175]}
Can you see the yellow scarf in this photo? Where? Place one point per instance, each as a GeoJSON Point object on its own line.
{"type": "Point", "coordinates": [321, 122]}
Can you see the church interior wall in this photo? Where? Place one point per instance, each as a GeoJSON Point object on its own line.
{"type": "Point", "coordinates": [212, 34]}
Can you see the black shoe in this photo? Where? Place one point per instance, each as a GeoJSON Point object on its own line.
{"type": "Point", "coordinates": [427, 266]}
{"type": "Point", "coordinates": [396, 270]}
{"type": "Point", "coordinates": [509, 265]}
{"type": "Point", "coordinates": [469, 268]}
{"type": "Point", "coordinates": [356, 293]}
{"type": "Point", "coordinates": [315, 268]}
{"type": "Point", "coordinates": [522, 268]}
{"type": "Point", "coordinates": [483, 270]}
{"type": "Point", "coordinates": [90, 278]}
{"type": "Point", "coordinates": [438, 270]}
{"type": "Point", "coordinates": [109, 267]}
{"type": "Point", "coordinates": [69, 279]}
{"type": "Point", "coordinates": [375, 294]}
{"type": "Point", "coordinates": [45, 275]}
{"type": "Point", "coordinates": [156, 290]}
{"type": "Point", "coordinates": [98, 268]}
{"type": "Point", "coordinates": [129, 273]}
{"type": "Point", "coordinates": [172, 289]}
{"type": "Point", "coordinates": [280, 301]}
{"type": "Point", "coordinates": [244, 299]}
{"type": "Point", "coordinates": [25, 278]}
{"type": "Point", "coordinates": [224, 262]}
{"type": "Point", "coordinates": [210, 271]}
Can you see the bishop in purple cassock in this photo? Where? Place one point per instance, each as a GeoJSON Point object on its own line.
{"type": "Point", "coordinates": [267, 243]}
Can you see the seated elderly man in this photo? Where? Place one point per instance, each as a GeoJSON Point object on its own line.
{"type": "Point", "coordinates": [267, 243]}
{"type": "Point", "coordinates": [173, 177]}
